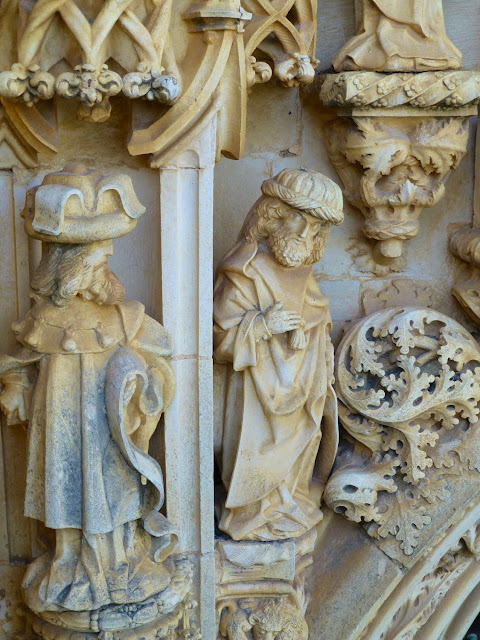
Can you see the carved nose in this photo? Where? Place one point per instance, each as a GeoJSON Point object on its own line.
{"type": "Point", "coordinates": [304, 231]}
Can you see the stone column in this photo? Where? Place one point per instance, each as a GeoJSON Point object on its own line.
{"type": "Point", "coordinates": [186, 204]}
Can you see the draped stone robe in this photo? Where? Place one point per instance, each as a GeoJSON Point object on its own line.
{"type": "Point", "coordinates": [84, 475]}
{"type": "Point", "coordinates": [276, 397]}
{"type": "Point", "coordinates": [400, 35]}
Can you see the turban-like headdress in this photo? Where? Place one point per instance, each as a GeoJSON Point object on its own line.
{"type": "Point", "coordinates": [307, 191]}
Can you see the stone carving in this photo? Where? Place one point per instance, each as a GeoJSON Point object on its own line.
{"type": "Point", "coordinates": [394, 35]}
{"type": "Point", "coordinates": [263, 619]}
{"type": "Point", "coordinates": [272, 329]}
{"type": "Point", "coordinates": [91, 376]}
{"type": "Point", "coordinates": [409, 392]}
{"type": "Point", "coordinates": [425, 598]}
{"type": "Point", "coordinates": [393, 169]}
{"type": "Point", "coordinates": [19, 154]}
{"type": "Point", "coordinates": [116, 30]}
{"type": "Point", "coordinates": [200, 61]}
{"type": "Point", "coordinates": [285, 32]}
{"type": "Point", "coordinates": [464, 242]}
{"type": "Point", "coordinates": [27, 83]}
{"type": "Point", "coordinates": [93, 87]}
{"type": "Point", "coordinates": [376, 91]}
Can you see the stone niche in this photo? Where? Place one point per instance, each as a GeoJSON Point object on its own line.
{"type": "Point", "coordinates": [145, 132]}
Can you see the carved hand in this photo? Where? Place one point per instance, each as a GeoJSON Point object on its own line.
{"type": "Point", "coordinates": [280, 320]}
{"type": "Point", "coordinates": [12, 403]}
{"type": "Point", "coordinates": [298, 341]}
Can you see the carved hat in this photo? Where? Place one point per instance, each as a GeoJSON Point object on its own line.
{"type": "Point", "coordinates": [308, 191]}
{"type": "Point", "coordinates": [79, 205]}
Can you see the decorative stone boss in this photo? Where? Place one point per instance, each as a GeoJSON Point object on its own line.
{"type": "Point", "coordinates": [91, 375]}
{"type": "Point", "coordinates": [272, 326]}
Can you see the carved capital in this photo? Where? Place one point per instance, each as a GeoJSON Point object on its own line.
{"type": "Point", "coordinates": [393, 169]}
{"type": "Point", "coordinates": [215, 15]}
{"type": "Point", "coordinates": [29, 84]}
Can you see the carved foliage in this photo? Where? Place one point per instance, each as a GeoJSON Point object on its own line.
{"type": "Point", "coordinates": [425, 598]}
{"type": "Point", "coordinates": [266, 618]}
{"type": "Point", "coordinates": [393, 169]}
{"type": "Point", "coordinates": [368, 89]}
{"type": "Point", "coordinates": [409, 392]}
{"type": "Point", "coordinates": [285, 32]}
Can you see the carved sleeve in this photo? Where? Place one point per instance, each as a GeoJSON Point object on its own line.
{"type": "Point", "coordinates": [239, 325]}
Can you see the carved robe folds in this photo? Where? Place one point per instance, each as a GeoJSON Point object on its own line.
{"type": "Point", "coordinates": [276, 397]}
{"type": "Point", "coordinates": [400, 35]}
{"type": "Point", "coordinates": [79, 476]}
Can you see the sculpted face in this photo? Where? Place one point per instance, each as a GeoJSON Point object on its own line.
{"type": "Point", "coordinates": [293, 242]}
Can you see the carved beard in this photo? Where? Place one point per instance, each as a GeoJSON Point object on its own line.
{"type": "Point", "coordinates": [288, 249]}
{"type": "Point", "coordinates": [65, 272]}
{"type": "Point", "coordinates": [103, 287]}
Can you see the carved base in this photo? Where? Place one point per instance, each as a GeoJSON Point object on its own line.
{"type": "Point", "coordinates": [160, 628]}
{"type": "Point", "coordinates": [260, 588]}
{"type": "Point", "coordinates": [152, 619]}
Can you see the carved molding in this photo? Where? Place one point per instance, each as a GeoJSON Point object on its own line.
{"type": "Point", "coordinates": [19, 153]}
{"type": "Point", "coordinates": [407, 382]}
{"type": "Point", "coordinates": [377, 91]}
{"type": "Point", "coordinates": [393, 168]}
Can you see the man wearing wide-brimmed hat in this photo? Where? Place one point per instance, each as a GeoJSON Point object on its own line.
{"type": "Point", "coordinates": [92, 378]}
{"type": "Point", "coordinates": [272, 327]}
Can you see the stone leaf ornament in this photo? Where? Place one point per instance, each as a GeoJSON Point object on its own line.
{"type": "Point", "coordinates": [409, 392]}
{"type": "Point", "coordinates": [394, 169]}
{"type": "Point", "coordinates": [265, 618]}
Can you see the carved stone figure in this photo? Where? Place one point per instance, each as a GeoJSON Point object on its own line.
{"type": "Point", "coordinates": [92, 377]}
{"type": "Point", "coordinates": [272, 327]}
{"type": "Point", "coordinates": [399, 35]}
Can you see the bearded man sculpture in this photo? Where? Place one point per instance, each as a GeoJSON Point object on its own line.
{"type": "Point", "coordinates": [399, 35]}
{"type": "Point", "coordinates": [92, 377]}
{"type": "Point", "coordinates": [272, 327]}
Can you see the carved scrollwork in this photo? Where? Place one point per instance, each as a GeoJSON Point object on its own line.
{"type": "Point", "coordinates": [93, 87]}
{"type": "Point", "coordinates": [257, 72]}
{"type": "Point", "coordinates": [151, 85]}
{"type": "Point", "coordinates": [409, 392]}
{"type": "Point", "coordinates": [417, 609]}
